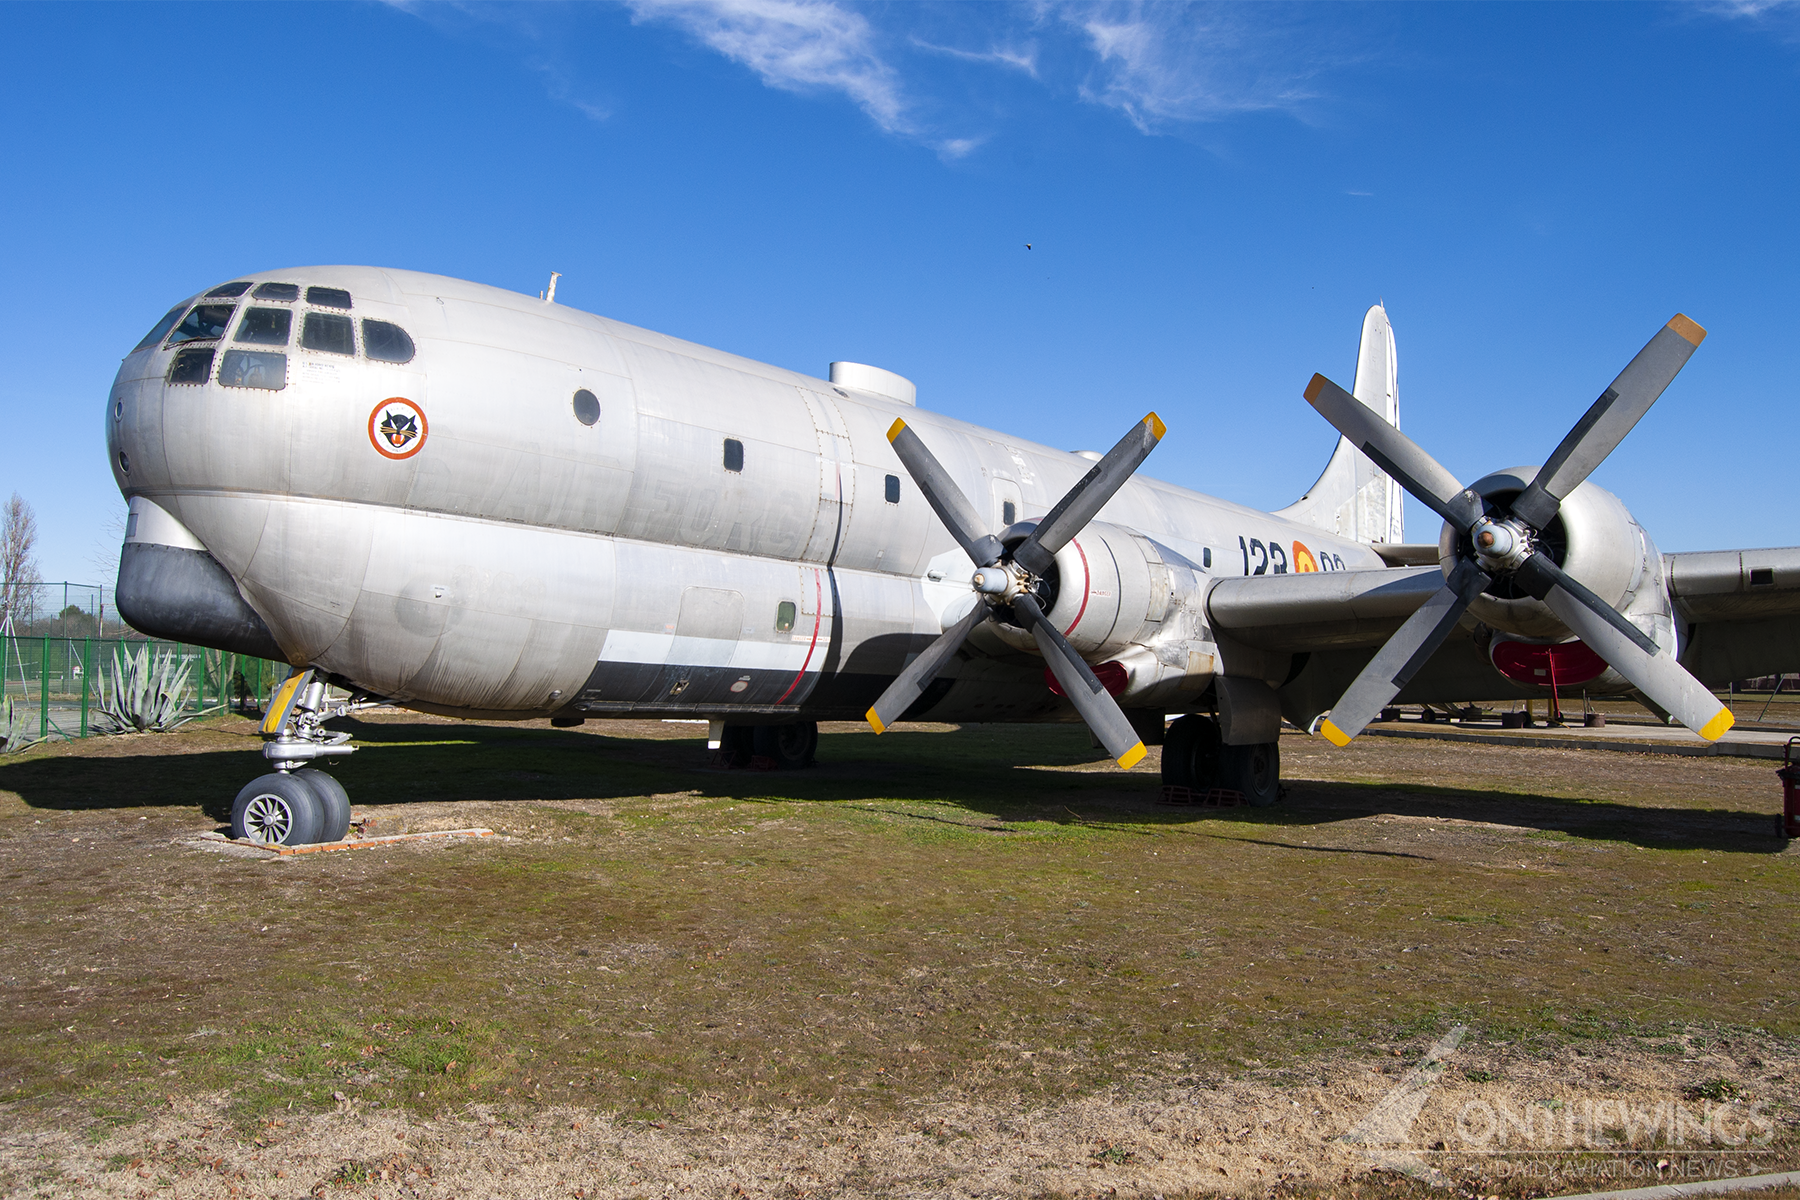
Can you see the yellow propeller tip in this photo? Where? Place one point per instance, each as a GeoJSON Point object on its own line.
{"type": "Point", "coordinates": [895, 429]}
{"type": "Point", "coordinates": [1687, 329]}
{"type": "Point", "coordinates": [1715, 729]}
{"type": "Point", "coordinates": [1133, 756]}
{"type": "Point", "coordinates": [874, 721]}
{"type": "Point", "coordinates": [1333, 734]}
{"type": "Point", "coordinates": [1157, 428]}
{"type": "Point", "coordinates": [1315, 387]}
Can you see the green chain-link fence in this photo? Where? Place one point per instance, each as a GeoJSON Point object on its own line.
{"type": "Point", "coordinates": [61, 678]}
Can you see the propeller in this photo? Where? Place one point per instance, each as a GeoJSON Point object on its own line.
{"type": "Point", "coordinates": [1006, 579]}
{"type": "Point", "coordinates": [1506, 544]}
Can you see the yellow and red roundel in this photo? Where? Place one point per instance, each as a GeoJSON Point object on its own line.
{"type": "Point", "coordinates": [397, 428]}
{"type": "Point", "coordinates": [1303, 559]}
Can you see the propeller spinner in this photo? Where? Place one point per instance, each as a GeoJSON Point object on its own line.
{"type": "Point", "coordinates": [1498, 543]}
{"type": "Point", "coordinates": [1010, 579]}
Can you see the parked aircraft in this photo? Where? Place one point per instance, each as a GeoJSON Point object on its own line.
{"type": "Point", "coordinates": [473, 502]}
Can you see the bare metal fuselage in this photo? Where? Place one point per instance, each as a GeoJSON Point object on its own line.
{"type": "Point", "coordinates": [519, 562]}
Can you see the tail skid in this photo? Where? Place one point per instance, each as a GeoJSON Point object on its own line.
{"type": "Point", "coordinates": [1354, 498]}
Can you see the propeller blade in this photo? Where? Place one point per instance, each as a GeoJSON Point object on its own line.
{"type": "Point", "coordinates": [1611, 417]}
{"type": "Point", "coordinates": [1395, 453]}
{"type": "Point", "coordinates": [945, 498]}
{"type": "Point", "coordinates": [1089, 496]}
{"type": "Point", "coordinates": [1629, 650]}
{"type": "Point", "coordinates": [910, 683]}
{"type": "Point", "coordinates": [1399, 660]}
{"type": "Point", "coordinates": [1089, 696]}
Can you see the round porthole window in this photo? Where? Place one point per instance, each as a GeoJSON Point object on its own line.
{"type": "Point", "coordinates": [124, 463]}
{"type": "Point", "coordinates": [587, 407]}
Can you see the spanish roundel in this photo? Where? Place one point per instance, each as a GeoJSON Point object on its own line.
{"type": "Point", "coordinates": [1303, 559]}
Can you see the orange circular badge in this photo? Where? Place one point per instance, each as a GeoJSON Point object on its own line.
{"type": "Point", "coordinates": [397, 428]}
{"type": "Point", "coordinates": [1303, 559]}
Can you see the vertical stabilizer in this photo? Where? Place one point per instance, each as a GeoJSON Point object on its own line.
{"type": "Point", "coordinates": [1354, 498]}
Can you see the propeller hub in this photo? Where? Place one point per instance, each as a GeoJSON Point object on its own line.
{"type": "Point", "coordinates": [1501, 545]}
{"type": "Point", "coordinates": [1002, 582]}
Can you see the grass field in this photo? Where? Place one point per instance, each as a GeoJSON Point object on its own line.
{"type": "Point", "coordinates": [975, 961]}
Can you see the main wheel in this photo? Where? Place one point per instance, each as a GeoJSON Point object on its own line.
{"type": "Point", "coordinates": [791, 746]}
{"type": "Point", "coordinates": [1253, 770]}
{"type": "Point", "coordinates": [736, 744]}
{"type": "Point", "coordinates": [277, 810]}
{"type": "Point", "coordinates": [1190, 755]}
{"type": "Point", "coordinates": [334, 803]}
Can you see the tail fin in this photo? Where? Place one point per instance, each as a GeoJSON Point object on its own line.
{"type": "Point", "coordinates": [1355, 498]}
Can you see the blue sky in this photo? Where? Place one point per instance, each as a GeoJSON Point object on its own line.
{"type": "Point", "coordinates": [1213, 195]}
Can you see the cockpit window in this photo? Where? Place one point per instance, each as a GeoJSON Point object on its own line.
{"type": "Point", "coordinates": [386, 343]}
{"type": "Point", "coordinates": [328, 332]}
{"type": "Point", "coordinates": [253, 369]}
{"type": "Point", "coordinates": [192, 365]}
{"type": "Point", "coordinates": [206, 321]}
{"type": "Point", "coordinates": [329, 297]}
{"type": "Point", "coordinates": [266, 326]}
{"type": "Point", "coordinates": [230, 291]}
{"type": "Point", "coordinates": [162, 328]}
{"type": "Point", "coordinates": [278, 291]}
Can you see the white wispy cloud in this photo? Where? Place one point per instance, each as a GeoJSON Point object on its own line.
{"type": "Point", "coordinates": [1174, 63]}
{"type": "Point", "coordinates": [1004, 56]}
{"type": "Point", "coordinates": [795, 45]}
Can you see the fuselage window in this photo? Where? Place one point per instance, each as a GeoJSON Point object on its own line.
{"type": "Point", "coordinates": [734, 455]}
{"type": "Point", "coordinates": [328, 332]}
{"type": "Point", "coordinates": [266, 326]}
{"type": "Point", "coordinates": [1206, 557]}
{"type": "Point", "coordinates": [192, 365]}
{"type": "Point", "coordinates": [230, 291]}
{"type": "Point", "coordinates": [278, 291]}
{"type": "Point", "coordinates": [253, 369]}
{"type": "Point", "coordinates": [205, 322]}
{"type": "Point", "coordinates": [784, 617]}
{"type": "Point", "coordinates": [893, 489]}
{"type": "Point", "coordinates": [1009, 512]}
{"type": "Point", "coordinates": [388, 343]}
{"type": "Point", "coordinates": [162, 328]}
{"type": "Point", "coordinates": [587, 405]}
{"type": "Point", "coordinates": [329, 297]}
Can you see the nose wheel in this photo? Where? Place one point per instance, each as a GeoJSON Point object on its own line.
{"type": "Point", "coordinates": [295, 804]}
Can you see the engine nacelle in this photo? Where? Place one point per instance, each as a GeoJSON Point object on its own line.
{"type": "Point", "coordinates": [1109, 588]}
{"type": "Point", "coordinates": [1593, 538]}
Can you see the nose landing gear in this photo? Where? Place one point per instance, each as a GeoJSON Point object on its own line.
{"type": "Point", "coordinates": [296, 804]}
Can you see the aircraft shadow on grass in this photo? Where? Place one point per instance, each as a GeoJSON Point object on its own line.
{"type": "Point", "coordinates": [400, 764]}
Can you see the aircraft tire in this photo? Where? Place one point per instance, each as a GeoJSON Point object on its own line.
{"type": "Point", "coordinates": [334, 803]}
{"type": "Point", "coordinates": [277, 810]}
{"type": "Point", "coordinates": [791, 747]}
{"type": "Point", "coordinates": [1191, 753]}
{"type": "Point", "coordinates": [1254, 770]}
{"type": "Point", "coordinates": [737, 743]}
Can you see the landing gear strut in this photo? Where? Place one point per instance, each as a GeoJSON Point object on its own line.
{"type": "Point", "coordinates": [295, 804]}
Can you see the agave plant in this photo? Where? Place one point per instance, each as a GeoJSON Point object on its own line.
{"type": "Point", "coordinates": [16, 723]}
{"type": "Point", "coordinates": [145, 694]}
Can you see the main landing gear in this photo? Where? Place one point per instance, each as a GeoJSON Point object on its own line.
{"type": "Point", "coordinates": [1195, 757]}
{"type": "Point", "coordinates": [771, 747]}
{"type": "Point", "coordinates": [295, 804]}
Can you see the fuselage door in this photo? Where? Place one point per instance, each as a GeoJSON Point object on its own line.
{"type": "Point", "coordinates": [837, 478]}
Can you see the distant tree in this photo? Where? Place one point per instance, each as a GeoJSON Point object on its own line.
{"type": "Point", "coordinates": [75, 621]}
{"type": "Point", "coordinates": [18, 565]}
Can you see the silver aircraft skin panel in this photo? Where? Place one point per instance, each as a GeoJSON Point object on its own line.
{"type": "Point", "coordinates": [534, 510]}
{"type": "Point", "coordinates": [519, 561]}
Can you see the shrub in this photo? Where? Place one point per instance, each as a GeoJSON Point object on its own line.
{"type": "Point", "coordinates": [16, 722]}
{"type": "Point", "coordinates": [143, 694]}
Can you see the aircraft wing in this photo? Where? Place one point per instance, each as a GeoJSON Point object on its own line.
{"type": "Point", "coordinates": [1741, 609]}
{"type": "Point", "coordinates": [1320, 610]}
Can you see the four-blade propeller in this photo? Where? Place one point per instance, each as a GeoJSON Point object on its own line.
{"type": "Point", "coordinates": [1006, 582]}
{"type": "Point", "coordinates": [1502, 543]}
